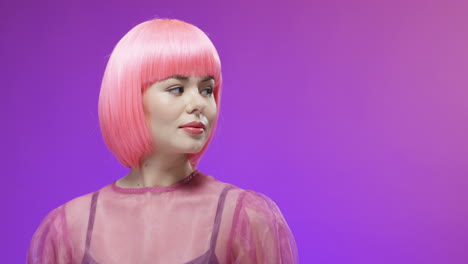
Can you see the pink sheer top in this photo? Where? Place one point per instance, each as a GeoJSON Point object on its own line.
{"type": "Point", "coordinates": [198, 220]}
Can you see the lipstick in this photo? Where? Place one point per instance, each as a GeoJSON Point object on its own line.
{"type": "Point", "coordinates": [193, 130]}
{"type": "Point", "coordinates": [194, 127]}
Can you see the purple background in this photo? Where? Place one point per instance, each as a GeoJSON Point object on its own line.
{"type": "Point", "coordinates": [351, 115]}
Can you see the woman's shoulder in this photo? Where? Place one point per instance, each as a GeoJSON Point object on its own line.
{"type": "Point", "coordinates": [77, 205]}
{"type": "Point", "coordinates": [249, 193]}
{"type": "Point", "coordinates": [218, 186]}
{"type": "Point", "coordinates": [243, 198]}
{"type": "Point", "coordinates": [77, 209]}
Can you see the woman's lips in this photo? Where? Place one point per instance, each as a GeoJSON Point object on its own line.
{"type": "Point", "coordinates": [193, 130]}
{"type": "Point", "coordinates": [194, 124]}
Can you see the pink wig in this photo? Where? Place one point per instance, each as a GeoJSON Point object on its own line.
{"type": "Point", "coordinates": [152, 51]}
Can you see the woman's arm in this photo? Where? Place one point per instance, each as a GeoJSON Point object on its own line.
{"type": "Point", "coordinates": [50, 243]}
{"type": "Point", "coordinates": [260, 233]}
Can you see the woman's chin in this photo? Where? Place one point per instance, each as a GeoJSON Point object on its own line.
{"type": "Point", "coordinates": [186, 148]}
{"type": "Point", "coordinates": [193, 150]}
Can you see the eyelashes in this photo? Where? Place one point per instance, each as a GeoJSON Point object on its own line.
{"type": "Point", "coordinates": [180, 90]}
{"type": "Point", "coordinates": [210, 91]}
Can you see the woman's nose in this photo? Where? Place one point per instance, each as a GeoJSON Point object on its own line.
{"type": "Point", "coordinates": [195, 101]}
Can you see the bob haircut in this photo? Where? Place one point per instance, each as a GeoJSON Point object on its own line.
{"type": "Point", "coordinates": [151, 51]}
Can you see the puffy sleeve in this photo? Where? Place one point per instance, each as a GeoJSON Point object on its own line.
{"type": "Point", "coordinates": [49, 243]}
{"type": "Point", "coordinates": [260, 233]}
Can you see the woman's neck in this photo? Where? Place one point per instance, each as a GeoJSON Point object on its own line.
{"type": "Point", "coordinates": [158, 170]}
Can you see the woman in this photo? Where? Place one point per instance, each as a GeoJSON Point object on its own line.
{"type": "Point", "coordinates": [158, 108]}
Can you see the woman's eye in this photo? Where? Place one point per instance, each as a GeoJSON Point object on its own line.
{"type": "Point", "coordinates": [176, 90]}
{"type": "Point", "coordinates": [208, 91]}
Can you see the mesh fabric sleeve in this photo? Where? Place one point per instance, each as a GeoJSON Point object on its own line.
{"type": "Point", "coordinates": [49, 243]}
{"type": "Point", "coordinates": [260, 233]}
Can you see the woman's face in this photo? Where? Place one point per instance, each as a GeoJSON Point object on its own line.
{"type": "Point", "coordinates": [175, 102]}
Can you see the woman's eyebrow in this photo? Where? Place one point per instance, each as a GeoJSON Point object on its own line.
{"type": "Point", "coordinates": [207, 78]}
{"type": "Point", "coordinates": [177, 77]}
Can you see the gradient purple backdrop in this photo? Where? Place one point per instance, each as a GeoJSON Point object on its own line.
{"type": "Point", "coordinates": [351, 115]}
